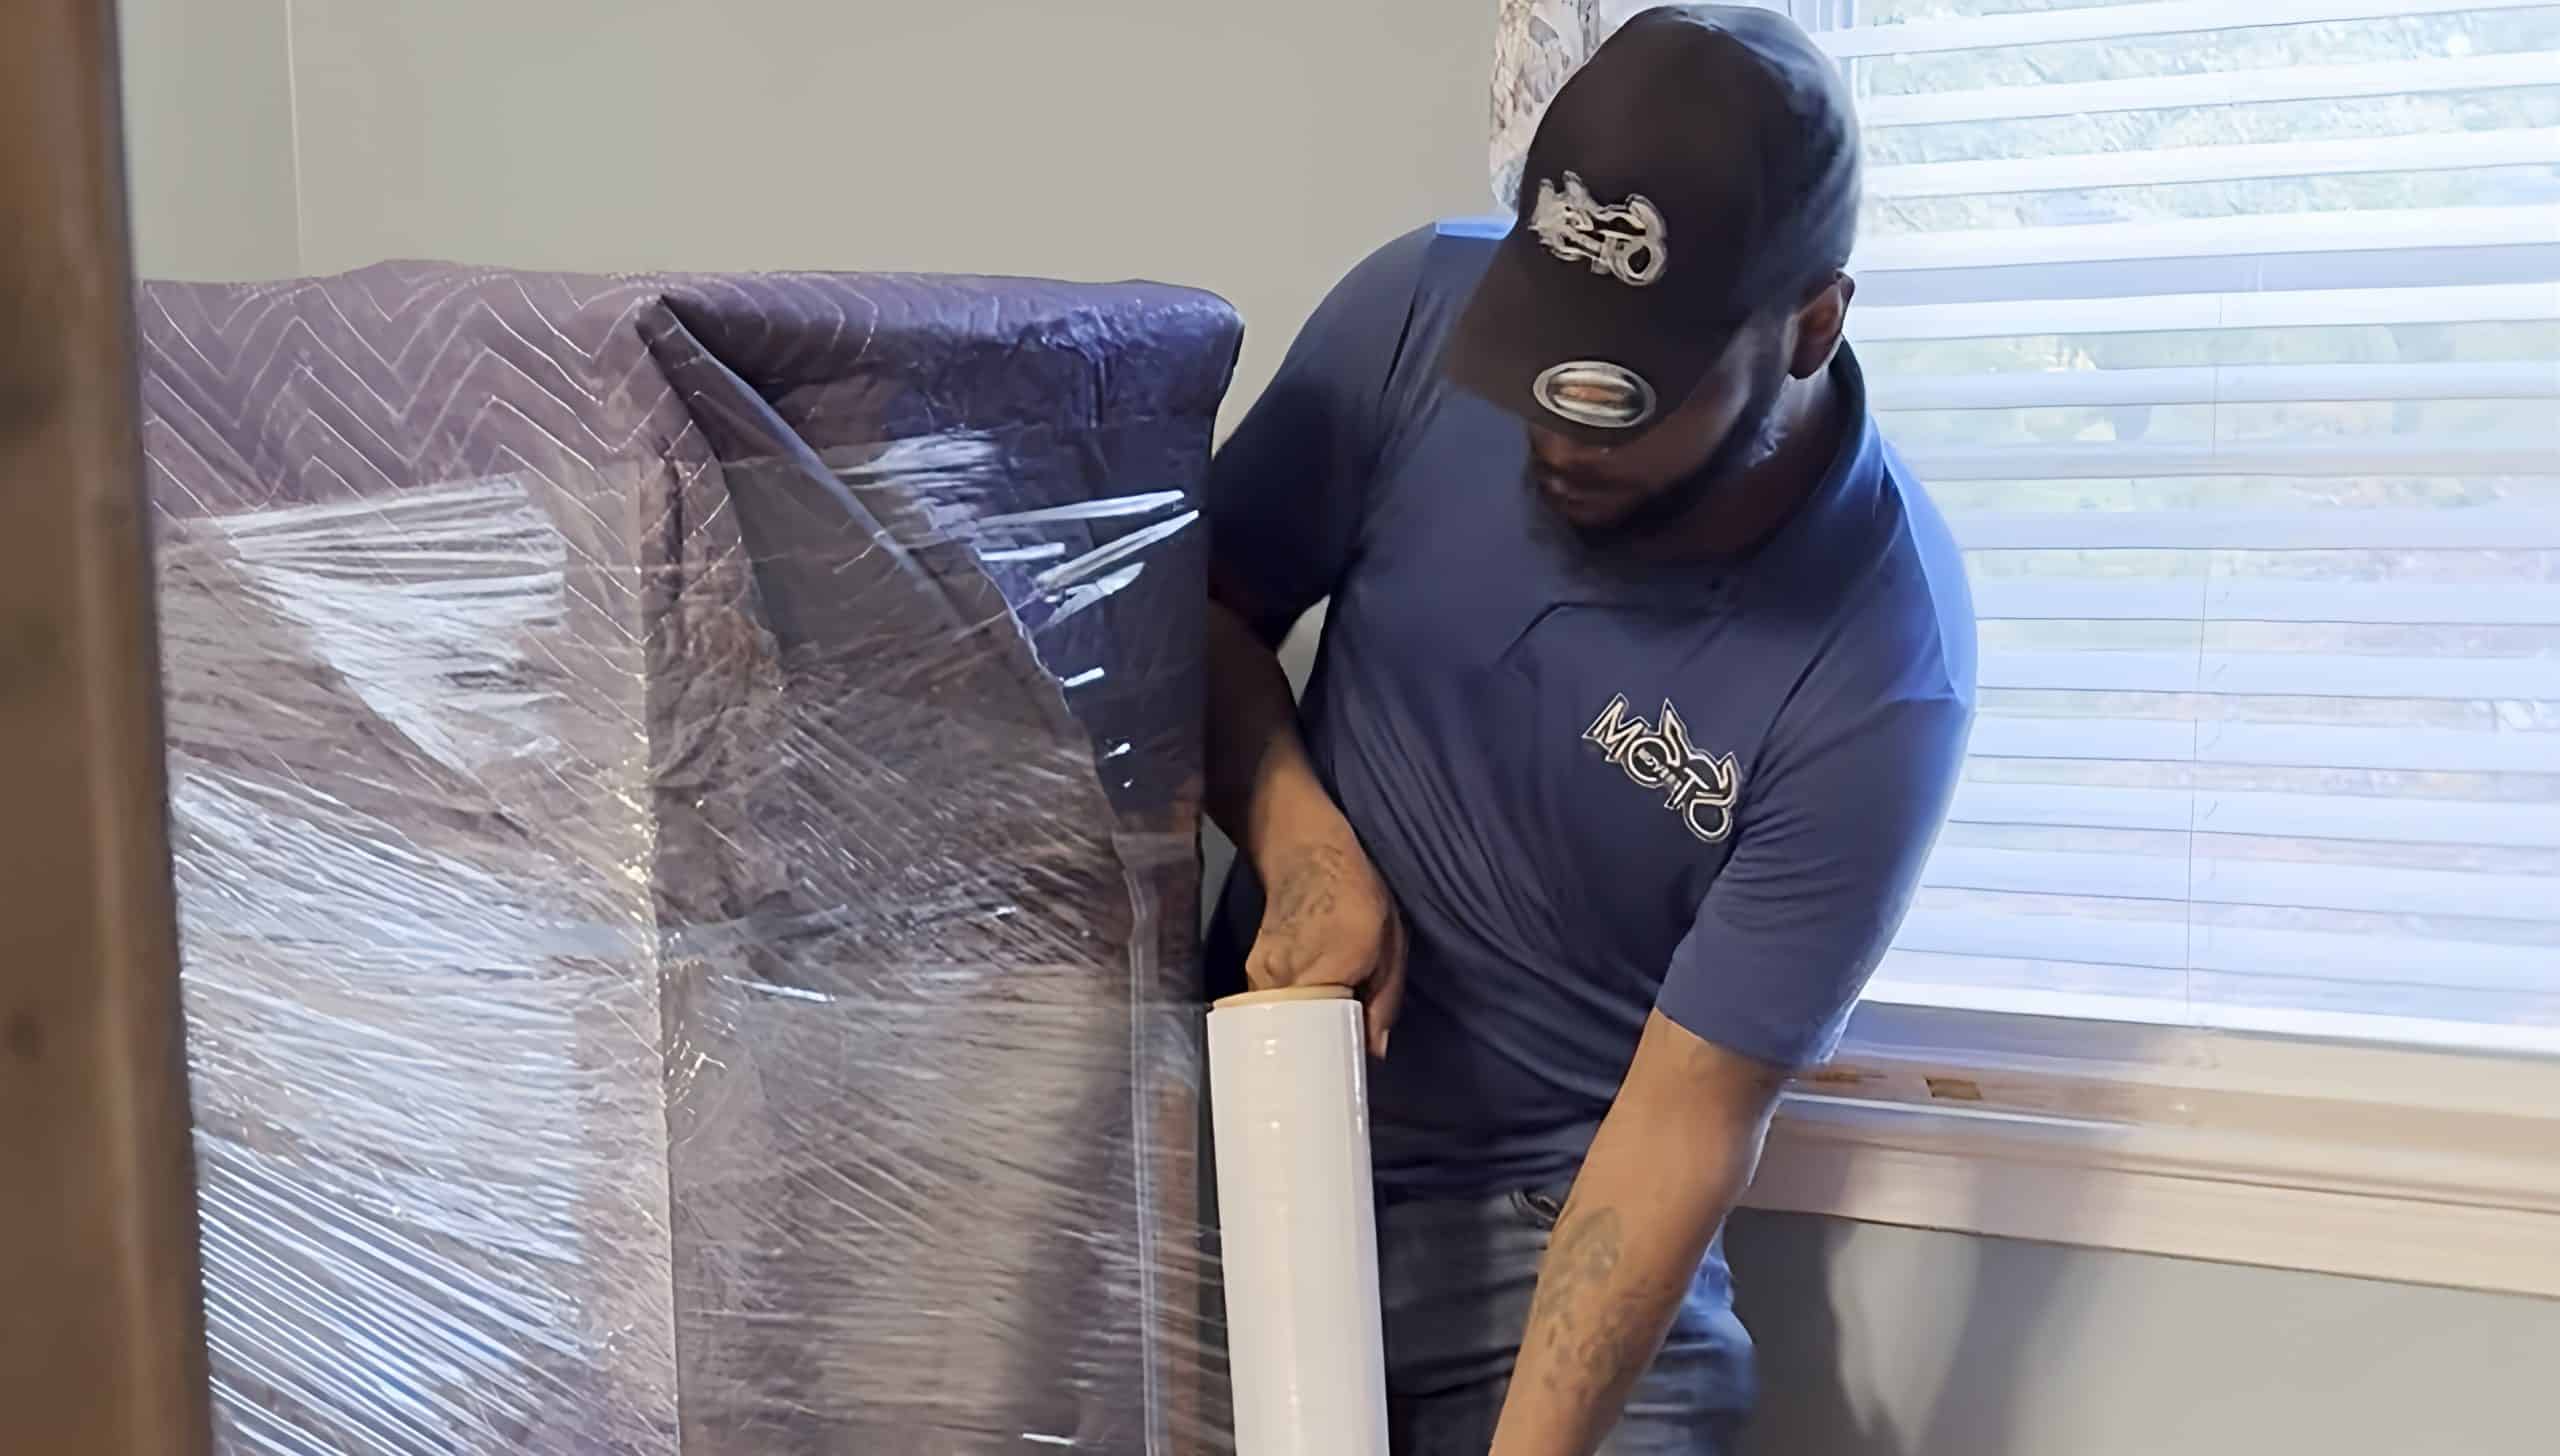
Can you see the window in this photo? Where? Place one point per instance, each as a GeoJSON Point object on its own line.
{"type": "Point", "coordinates": [2228, 336]}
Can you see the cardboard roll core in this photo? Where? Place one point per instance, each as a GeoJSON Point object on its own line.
{"type": "Point", "coordinates": [1285, 993]}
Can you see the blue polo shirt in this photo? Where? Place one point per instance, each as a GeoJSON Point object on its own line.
{"type": "Point", "coordinates": [1594, 791]}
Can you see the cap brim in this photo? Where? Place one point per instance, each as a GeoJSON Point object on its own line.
{"type": "Point", "coordinates": [1532, 313]}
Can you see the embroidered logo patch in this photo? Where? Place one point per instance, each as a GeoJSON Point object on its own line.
{"type": "Point", "coordinates": [1627, 240]}
{"type": "Point", "coordinates": [1701, 788]}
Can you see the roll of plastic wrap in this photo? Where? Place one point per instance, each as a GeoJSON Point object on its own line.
{"type": "Point", "coordinates": [1298, 1233]}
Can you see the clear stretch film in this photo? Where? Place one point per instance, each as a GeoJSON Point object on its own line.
{"type": "Point", "coordinates": [1289, 1098]}
{"type": "Point", "coordinates": [684, 806]}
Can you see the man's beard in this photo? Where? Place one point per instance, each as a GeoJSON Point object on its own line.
{"type": "Point", "coordinates": [1752, 439]}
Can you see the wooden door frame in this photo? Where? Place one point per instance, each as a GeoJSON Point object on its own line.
{"type": "Point", "coordinates": [101, 1322]}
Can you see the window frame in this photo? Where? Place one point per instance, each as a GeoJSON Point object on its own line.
{"type": "Point", "coordinates": [2365, 1159]}
{"type": "Point", "coordinates": [2342, 1144]}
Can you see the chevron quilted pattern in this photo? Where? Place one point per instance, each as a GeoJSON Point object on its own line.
{"type": "Point", "coordinates": [684, 792]}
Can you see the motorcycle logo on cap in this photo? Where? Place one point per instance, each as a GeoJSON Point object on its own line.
{"type": "Point", "coordinates": [1597, 393]}
{"type": "Point", "coordinates": [1627, 241]}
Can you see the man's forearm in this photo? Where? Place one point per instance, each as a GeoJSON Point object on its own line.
{"type": "Point", "coordinates": [1622, 1260]}
{"type": "Point", "coordinates": [1262, 788]}
{"type": "Point", "coordinates": [1328, 919]}
{"type": "Point", "coordinates": [1666, 1168]}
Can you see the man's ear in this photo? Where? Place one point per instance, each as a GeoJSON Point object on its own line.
{"type": "Point", "coordinates": [1818, 326]}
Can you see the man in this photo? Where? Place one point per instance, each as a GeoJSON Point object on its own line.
{"type": "Point", "coordinates": [1646, 681]}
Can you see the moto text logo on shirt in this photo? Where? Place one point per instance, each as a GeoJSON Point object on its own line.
{"type": "Point", "coordinates": [1700, 787]}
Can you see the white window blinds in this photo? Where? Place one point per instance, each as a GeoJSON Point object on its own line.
{"type": "Point", "coordinates": [2228, 336]}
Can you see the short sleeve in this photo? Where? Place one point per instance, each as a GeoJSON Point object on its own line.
{"type": "Point", "coordinates": [1823, 868]}
{"type": "Point", "coordinates": [1287, 494]}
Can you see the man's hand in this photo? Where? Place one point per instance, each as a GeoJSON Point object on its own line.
{"type": "Point", "coordinates": [1327, 918]}
{"type": "Point", "coordinates": [1329, 921]}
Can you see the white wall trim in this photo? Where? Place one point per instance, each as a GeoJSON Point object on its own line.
{"type": "Point", "coordinates": [2381, 1162]}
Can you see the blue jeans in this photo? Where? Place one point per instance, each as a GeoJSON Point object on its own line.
{"type": "Point", "coordinates": [1455, 1280]}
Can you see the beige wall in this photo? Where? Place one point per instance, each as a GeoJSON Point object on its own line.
{"type": "Point", "coordinates": [1256, 150]}
{"type": "Point", "coordinates": [209, 138]}
{"type": "Point", "coordinates": [1902, 1342]}
{"type": "Point", "coordinates": [1253, 149]}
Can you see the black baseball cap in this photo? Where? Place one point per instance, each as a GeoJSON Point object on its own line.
{"type": "Point", "coordinates": [1699, 169]}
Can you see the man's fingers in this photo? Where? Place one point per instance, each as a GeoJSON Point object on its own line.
{"type": "Point", "coordinates": [1386, 990]}
{"type": "Point", "coordinates": [1381, 1016]}
{"type": "Point", "coordinates": [1377, 975]}
{"type": "Point", "coordinates": [1266, 971]}
{"type": "Point", "coordinates": [1272, 966]}
{"type": "Point", "coordinates": [1269, 967]}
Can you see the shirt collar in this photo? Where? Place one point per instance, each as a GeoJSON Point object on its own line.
{"type": "Point", "coordinates": [1817, 541]}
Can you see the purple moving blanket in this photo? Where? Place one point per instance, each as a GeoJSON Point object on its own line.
{"type": "Point", "coordinates": [684, 795]}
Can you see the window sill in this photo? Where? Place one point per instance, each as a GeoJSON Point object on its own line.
{"type": "Point", "coordinates": [2377, 1162]}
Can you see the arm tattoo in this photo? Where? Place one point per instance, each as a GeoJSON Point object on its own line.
{"type": "Point", "coordinates": [1590, 1324]}
{"type": "Point", "coordinates": [1306, 885]}
{"type": "Point", "coordinates": [1305, 892]}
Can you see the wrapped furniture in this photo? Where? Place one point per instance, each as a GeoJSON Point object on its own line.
{"type": "Point", "coordinates": [683, 797]}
